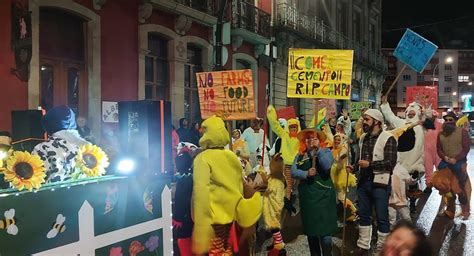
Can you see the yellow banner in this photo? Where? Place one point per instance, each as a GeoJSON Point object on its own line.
{"type": "Point", "coordinates": [319, 73]}
{"type": "Point", "coordinates": [230, 92]}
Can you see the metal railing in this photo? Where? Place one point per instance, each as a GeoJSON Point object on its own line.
{"type": "Point", "coordinates": [251, 18]}
{"type": "Point", "coordinates": [314, 28]}
{"type": "Point", "coordinates": [210, 7]}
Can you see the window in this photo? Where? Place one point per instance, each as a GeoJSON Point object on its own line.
{"type": "Point", "coordinates": [390, 78]}
{"type": "Point", "coordinates": [447, 89]}
{"type": "Point", "coordinates": [156, 68]}
{"type": "Point", "coordinates": [448, 67]}
{"type": "Point", "coordinates": [63, 79]}
{"type": "Point", "coordinates": [406, 77]}
{"type": "Point", "coordinates": [463, 78]}
{"type": "Point", "coordinates": [404, 89]}
{"type": "Point", "coordinates": [191, 97]}
{"type": "Point", "coordinates": [420, 78]}
{"type": "Point", "coordinates": [448, 78]}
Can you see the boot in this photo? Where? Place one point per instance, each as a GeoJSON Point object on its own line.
{"type": "Point", "coordinates": [381, 237]}
{"type": "Point", "coordinates": [365, 234]}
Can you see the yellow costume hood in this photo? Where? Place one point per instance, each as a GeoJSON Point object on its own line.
{"type": "Point", "coordinates": [215, 134]}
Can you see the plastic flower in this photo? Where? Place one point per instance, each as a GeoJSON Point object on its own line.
{"type": "Point", "coordinates": [115, 251]}
{"type": "Point", "coordinates": [135, 248]}
{"type": "Point", "coordinates": [152, 243]}
{"type": "Point", "coordinates": [92, 160]}
{"type": "Point", "coordinates": [24, 170]}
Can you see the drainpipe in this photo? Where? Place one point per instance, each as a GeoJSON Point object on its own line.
{"type": "Point", "coordinates": [218, 35]}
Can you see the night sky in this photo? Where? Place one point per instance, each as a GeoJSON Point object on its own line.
{"type": "Point", "coordinates": [438, 21]}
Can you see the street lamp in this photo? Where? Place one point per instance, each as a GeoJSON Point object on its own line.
{"type": "Point", "coordinates": [448, 60]}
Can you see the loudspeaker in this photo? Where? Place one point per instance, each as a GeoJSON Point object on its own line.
{"type": "Point", "coordinates": [26, 125]}
{"type": "Point", "coordinates": [145, 134]}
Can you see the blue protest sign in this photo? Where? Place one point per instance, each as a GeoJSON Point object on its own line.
{"type": "Point", "coordinates": [415, 51]}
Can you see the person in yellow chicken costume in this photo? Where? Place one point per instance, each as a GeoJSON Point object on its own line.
{"type": "Point", "coordinates": [273, 202]}
{"type": "Point", "coordinates": [289, 146]}
{"type": "Point", "coordinates": [339, 175]}
{"type": "Point", "coordinates": [218, 193]}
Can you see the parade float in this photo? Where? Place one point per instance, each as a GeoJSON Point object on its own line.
{"type": "Point", "coordinates": [96, 212]}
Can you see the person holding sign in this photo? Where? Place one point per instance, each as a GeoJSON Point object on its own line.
{"type": "Point", "coordinates": [410, 143]}
{"type": "Point", "coordinates": [289, 145]}
{"type": "Point", "coordinates": [312, 166]}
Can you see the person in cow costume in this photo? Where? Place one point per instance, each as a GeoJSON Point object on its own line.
{"type": "Point", "coordinates": [411, 143]}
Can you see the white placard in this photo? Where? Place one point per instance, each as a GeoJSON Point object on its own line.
{"type": "Point", "coordinates": [110, 112]}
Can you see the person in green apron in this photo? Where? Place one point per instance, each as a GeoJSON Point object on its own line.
{"type": "Point", "coordinates": [312, 166]}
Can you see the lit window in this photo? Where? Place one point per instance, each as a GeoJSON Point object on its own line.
{"type": "Point", "coordinates": [463, 78]}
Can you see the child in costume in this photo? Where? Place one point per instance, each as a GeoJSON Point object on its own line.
{"type": "Point", "coordinates": [218, 192]}
{"type": "Point", "coordinates": [239, 147]}
{"type": "Point", "coordinates": [339, 175]}
{"type": "Point", "coordinates": [289, 145]}
{"type": "Point", "coordinates": [312, 166]}
{"type": "Point", "coordinates": [59, 152]}
{"type": "Point", "coordinates": [273, 202]}
{"type": "Point", "coordinates": [182, 221]}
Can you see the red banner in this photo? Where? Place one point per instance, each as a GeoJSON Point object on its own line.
{"type": "Point", "coordinates": [424, 95]}
{"type": "Point", "coordinates": [286, 113]}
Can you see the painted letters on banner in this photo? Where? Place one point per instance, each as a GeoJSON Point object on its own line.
{"type": "Point", "coordinates": [320, 73]}
{"type": "Point", "coordinates": [356, 107]}
{"type": "Point", "coordinates": [230, 92]}
{"type": "Point", "coordinates": [414, 50]}
{"type": "Point", "coordinates": [424, 95]}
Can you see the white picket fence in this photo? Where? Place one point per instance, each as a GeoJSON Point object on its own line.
{"type": "Point", "coordinates": [88, 242]}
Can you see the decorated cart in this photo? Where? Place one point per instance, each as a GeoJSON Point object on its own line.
{"type": "Point", "coordinates": [91, 213]}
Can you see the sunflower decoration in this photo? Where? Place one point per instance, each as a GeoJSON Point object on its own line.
{"type": "Point", "coordinates": [92, 160]}
{"type": "Point", "coordinates": [24, 170]}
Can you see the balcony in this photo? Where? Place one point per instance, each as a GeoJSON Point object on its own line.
{"type": "Point", "coordinates": [250, 22]}
{"type": "Point", "coordinates": [201, 11]}
{"type": "Point", "coordinates": [312, 27]}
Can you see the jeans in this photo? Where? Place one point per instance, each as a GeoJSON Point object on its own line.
{"type": "Point", "coordinates": [369, 196]}
{"type": "Point", "coordinates": [318, 243]}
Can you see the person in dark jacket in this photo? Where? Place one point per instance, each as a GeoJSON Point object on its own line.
{"type": "Point", "coordinates": [182, 221]}
{"type": "Point", "coordinates": [195, 133]}
{"type": "Point", "coordinates": [183, 131]}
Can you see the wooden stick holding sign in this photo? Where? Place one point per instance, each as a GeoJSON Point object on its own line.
{"type": "Point", "coordinates": [396, 79]}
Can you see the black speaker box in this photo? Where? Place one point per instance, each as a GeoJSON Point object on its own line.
{"type": "Point", "coordinates": [145, 134]}
{"type": "Point", "coordinates": [26, 125]}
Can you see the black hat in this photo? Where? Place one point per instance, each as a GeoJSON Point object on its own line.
{"type": "Point", "coordinates": [184, 162]}
{"type": "Point", "coordinates": [451, 114]}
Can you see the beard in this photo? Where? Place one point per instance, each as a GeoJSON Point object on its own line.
{"type": "Point", "coordinates": [367, 128]}
{"type": "Point", "coordinates": [448, 128]}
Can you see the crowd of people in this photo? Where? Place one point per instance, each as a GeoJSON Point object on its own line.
{"type": "Point", "coordinates": [232, 183]}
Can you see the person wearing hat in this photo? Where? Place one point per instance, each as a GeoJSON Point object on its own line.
{"type": "Point", "coordinates": [59, 151]}
{"type": "Point", "coordinates": [317, 196]}
{"type": "Point", "coordinates": [454, 157]}
{"type": "Point", "coordinates": [378, 156]}
{"type": "Point", "coordinates": [411, 143]}
{"type": "Point", "coordinates": [289, 149]}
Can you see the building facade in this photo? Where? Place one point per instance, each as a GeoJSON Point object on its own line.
{"type": "Point", "coordinates": [451, 70]}
{"type": "Point", "coordinates": [327, 24]}
{"type": "Point", "coordinates": [82, 53]}
{"type": "Point", "coordinates": [85, 53]}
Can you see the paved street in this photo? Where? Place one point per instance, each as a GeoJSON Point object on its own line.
{"type": "Point", "coordinates": [448, 237]}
